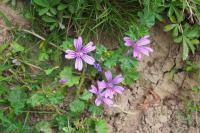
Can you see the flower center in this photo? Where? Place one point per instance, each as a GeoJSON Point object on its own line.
{"type": "Point", "coordinates": [110, 85]}
{"type": "Point", "coordinates": [79, 54]}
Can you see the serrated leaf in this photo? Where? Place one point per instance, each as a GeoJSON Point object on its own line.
{"type": "Point", "coordinates": [17, 100]}
{"type": "Point", "coordinates": [96, 110]}
{"type": "Point", "coordinates": [101, 126]}
{"type": "Point", "coordinates": [86, 96]}
{"type": "Point", "coordinates": [36, 99]}
{"type": "Point", "coordinates": [77, 106]}
{"type": "Point", "coordinates": [44, 127]}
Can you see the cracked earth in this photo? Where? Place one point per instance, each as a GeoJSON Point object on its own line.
{"type": "Point", "coordinates": [153, 103]}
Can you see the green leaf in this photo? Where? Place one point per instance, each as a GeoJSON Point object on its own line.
{"type": "Point", "coordinates": [101, 126]}
{"type": "Point", "coordinates": [66, 73]}
{"type": "Point", "coordinates": [196, 1]}
{"type": "Point", "coordinates": [77, 106]}
{"type": "Point", "coordinates": [17, 99]}
{"type": "Point", "coordinates": [54, 2]}
{"type": "Point", "coordinates": [178, 39]}
{"type": "Point", "coordinates": [191, 46]}
{"type": "Point", "coordinates": [96, 110]}
{"type": "Point", "coordinates": [53, 11]}
{"type": "Point", "coordinates": [43, 3]}
{"type": "Point", "coordinates": [169, 27]}
{"type": "Point", "coordinates": [44, 127]}
{"type": "Point", "coordinates": [49, 71]}
{"type": "Point", "coordinates": [49, 19]}
{"type": "Point", "coordinates": [175, 32]}
{"type": "Point", "coordinates": [43, 56]}
{"type": "Point", "coordinates": [43, 11]}
{"type": "Point", "coordinates": [195, 41]}
{"type": "Point", "coordinates": [17, 47]}
{"type": "Point", "coordinates": [185, 49]}
{"type": "Point", "coordinates": [67, 44]}
{"type": "Point", "coordinates": [37, 99]}
{"type": "Point", "coordinates": [56, 98]}
{"type": "Point", "coordinates": [86, 96]}
{"type": "Point", "coordinates": [62, 7]}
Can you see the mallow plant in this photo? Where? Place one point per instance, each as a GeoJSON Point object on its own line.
{"type": "Point", "coordinates": [104, 82]}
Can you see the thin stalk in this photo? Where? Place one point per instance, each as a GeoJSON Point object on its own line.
{"type": "Point", "coordinates": [80, 88]}
{"type": "Point", "coordinates": [42, 38]}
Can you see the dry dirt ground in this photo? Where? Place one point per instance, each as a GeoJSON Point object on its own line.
{"type": "Point", "coordinates": [153, 103]}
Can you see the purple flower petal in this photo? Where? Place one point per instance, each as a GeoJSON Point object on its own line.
{"type": "Point", "coordinates": [98, 101]}
{"type": "Point", "coordinates": [118, 89]}
{"type": "Point", "coordinates": [108, 101]}
{"type": "Point", "coordinates": [97, 67]}
{"type": "Point", "coordinates": [93, 89]}
{"type": "Point", "coordinates": [78, 43]}
{"type": "Point", "coordinates": [145, 50]}
{"type": "Point", "coordinates": [118, 79]}
{"type": "Point", "coordinates": [62, 81]}
{"type": "Point", "coordinates": [108, 75]}
{"type": "Point", "coordinates": [137, 54]}
{"type": "Point", "coordinates": [70, 54]}
{"type": "Point", "coordinates": [78, 64]}
{"type": "Point", "coordinates": [108, 93]}
{"type": "Point", "coordinates": [101, 85]}
{"type": "Point", "coordinates": [88, 48]}
{"type": "Point", "coordinates": [143, 41]}
{"type": "Point", "coordinates": [128, 41]}
{"type": "Point", "coordinates": [88, 59]}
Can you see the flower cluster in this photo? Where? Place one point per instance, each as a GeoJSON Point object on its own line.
{"type": "Point", "coordinates": [105, 89]}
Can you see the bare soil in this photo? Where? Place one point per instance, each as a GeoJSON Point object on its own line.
{"type": "Point", "coordinates": [154, 103]}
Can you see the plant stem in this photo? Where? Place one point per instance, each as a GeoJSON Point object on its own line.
{"type": "Point", "coordinates": [81, 89]}
{"type": "Point", "coordinates": [42, 38]}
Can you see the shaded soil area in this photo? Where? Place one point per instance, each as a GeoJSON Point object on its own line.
{"type": "Point", "coordinates": [154, 104]}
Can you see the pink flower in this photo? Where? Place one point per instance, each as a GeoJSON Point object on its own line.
{"type": "Point", "coordinates": [112, 84]}
{"type": "Point", "coordinates": [81, 53]}
{"type": "Point", "coordinates": [139, 47]}
{"type": "Point", "coordinates": [100, 95]}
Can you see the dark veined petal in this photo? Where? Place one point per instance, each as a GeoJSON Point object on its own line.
{"type": "Point", "coordinates": [88, 48]}
{"type": "Point", "coordinates": [108, 101]}
{"type": "Point", "coordinates": [128, 41]}
{"type": "Point", "coordinates": [78, 64]}
{"type": "Point", "coordinates": [88, 59]}
{"type": "Point", "coordinates": [98, 101]}
{"type": "Point", "coordinates": [137, 54]}
{"type": "Point", "coordinates": [70, 54]}
{"type": "Point", "coordinates": [101, 85]}
{"type": "Point", "coordinates": [78, 43]}
{"type": "Point", "coordinates": [118, 79]}
{"type": "Point", "coordinates": [93, 89]}
{"type": "Point", "coordinates": [118, 89]}
{"type": "Point", "coordinates": [145, 50]}
{"type": "Point", "coordinates": [143, 41]}
{"type": "Point", "coordinates": [108, 75]}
